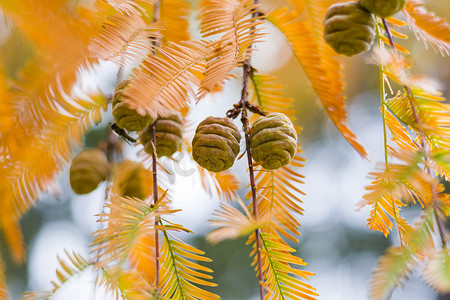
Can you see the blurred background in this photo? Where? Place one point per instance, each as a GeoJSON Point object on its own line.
{"type": "Point", "coordinates": [335, 241]}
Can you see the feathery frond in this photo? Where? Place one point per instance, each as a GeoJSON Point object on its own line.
{"type": "Point", "coordinates": [396, 67]}
{"type": "Point", "coordinates": [129, 221]}
{"type": "Point", "coordinates": [52, 120]}
{"type": "Point", "coordinates": [129, 285]}
{"type": "Point", "coordinates": [428, 27]}
{"type": "Point", "coordinates": [305, 36]}
{"type": "Point", "coordinates": [165, 82]}
{"type": "Point", "coordinates": [180, 275]}
{"type": "Point", "coordinates": [282, 278]}
{"type": "Point", "coordinates": [72, 265]}
{"type": "Point", "coordinates": [239, 28]}
{"type": "Point", "coordinates": [437, 271]}
{"type": "Point", "coordinates": [393, 186]}
{"type": "Point", "coordinates": [400, 135]}
{"type": "Point", "coordinates": [394, 267]}
{"type": "Point", "coordinates": [67, 33]}
{"type": "Point", "coordinates": [231, 223]}
{"type": "Point", "coordinates": [278, 194]}
{"type": "Point", "coordinates": [225, 183]}
{"type": "Point", "coordinates": [174, 18]}
{"type": "Point", "coordinates": [51, 148]}
{"type": "Point", "coordinates": [125, 40]}
{"type": "Point", "coordinates": [268, 94]}
{"type": "Point", "coordinates": [434, 119]}
{"type": "Point", "coordinates": [129, 7]}
{"type": "Point", "coordinates": [421, 109]}
{"type": "Point", "coordinates": [30, 168]}
{"type": "Point", "coordinates": [277, 191]}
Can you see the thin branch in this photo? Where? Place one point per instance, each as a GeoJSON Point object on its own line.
{"type": "Point", "coordinates": [156, 14]}
{"type": "Point", "coordinates": [155, 199]}
{"type": "Point", "coordinates": [247, 74]}
{"type": "Point", "coordinates": [422, 144]}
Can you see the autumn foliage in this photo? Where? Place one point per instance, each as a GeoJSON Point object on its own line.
{"type": "Point", "coordinates": [45, 115]}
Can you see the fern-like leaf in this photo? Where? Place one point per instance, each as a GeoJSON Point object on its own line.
{"type": "Point", "coordinates": [394, 267]}
{"type": "Point", "coordinates": [66, 35]}
{"type": "Point", "coordinates": [72, 265]}
{"type": "Point", "coordinates": [235, 21]}
{"type": "Point", "coordinates": [125, 40]}
{"type": "Point", "coordinates": [231, 223]}
{"type": "Point", "coordinates": [420, 109]}
{"type": "Point", "coordinates": [428, 27]}
{"type": "Point", "coordinates": [164, 83]}
{"type": "Point", "coordinates": [130, 226]}
{"type": "Point", "coordinates": [31, 167]}
{"type": "Point", "coordinates": [129, 284]}
{"type": "Point", "coordinates": [130, 7]}
{"type": "Point", "coordinates": [318, 60]}
{"type": "Point", "coordinates": [180, 275]}
{"type": "Point", "coordinates": [48, 119]}
{"type": "Point", "coordinates": [434, 119]}
{"type": "Point", "coordinates": [282, 278]}
{"type": "Point", "coordinates": [225, 184]}
{"type": "Point", "coordinates": [52, 148]}
{"type": "Point", "coordinates": [278, 194]}
{"type": "Point", "coordinates": [268, 94]}
{"type": "Point", "coordinates": [400, 135]}
{"type": "Point", "coordinates": [278, 190]}
{"type": "Point", "coordinates": [174, 18]}
{"type": "Point", "coordinates": [437, 271]}
{"type": "Point", "coordinates": [394, 185]}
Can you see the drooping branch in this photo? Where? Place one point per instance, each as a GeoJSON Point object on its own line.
{"type": "Point", "coordinates": [422, 144]}
{"type": "Point", "coordinates": [247, 73]}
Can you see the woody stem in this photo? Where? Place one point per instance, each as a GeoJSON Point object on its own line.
{"type": "Point", "coordinates": [156, 13]}
{"type": "Point", "coordinates": [247, 72]}
{"type": "Point", "coordinates": [244, 119]}
{"type": "Point", "coordinates": [155, 199]}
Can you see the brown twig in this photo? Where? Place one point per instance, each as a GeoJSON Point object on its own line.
{"type": "Point", "coordinates": [155, 199]}
{"type": "Point", "coordinates": [244, 120]}
{"type": "Point", "coordinates": [243, 106]}
{"type": "Point", "coordinates": [156, 15]}
{"type": "Point", "coordinates": [422, 143]}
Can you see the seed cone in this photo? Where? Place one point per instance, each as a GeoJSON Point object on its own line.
{"type": "Point", "coordinates": [132, 179]}
{"type": "Point", "coordinates": [124, 116]}
{"type": "Point", "coordinates": [216, 144]}
{"type": "Point", "coordinates": [273, 140]}
{"type": "Point", "coordinates": [88, 169]}
{"type": "Point", "coordinates": [348, 28]}
{"type": "Point", "coordinates": [169, 135]}
{"type": "Point", "coordinates": [383, 8]}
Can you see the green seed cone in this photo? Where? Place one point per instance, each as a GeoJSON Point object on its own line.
{"type": "Point", "coordinates": [216, 144]}
{"type": "Point", "coordinates": [348, 28]}
{"type": "Point", "coordinates": [273, 141]}
{"type": "Point", "coordinates": [383, 8]}
{"type": "Point", "coordinates": [169, 135]}
{"type": "Point", "coordinates": [132, 179]}
{"type": "Point", "coordinates": [124, 116]}
{"type": "Point", "coordinates": [88, 169]}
